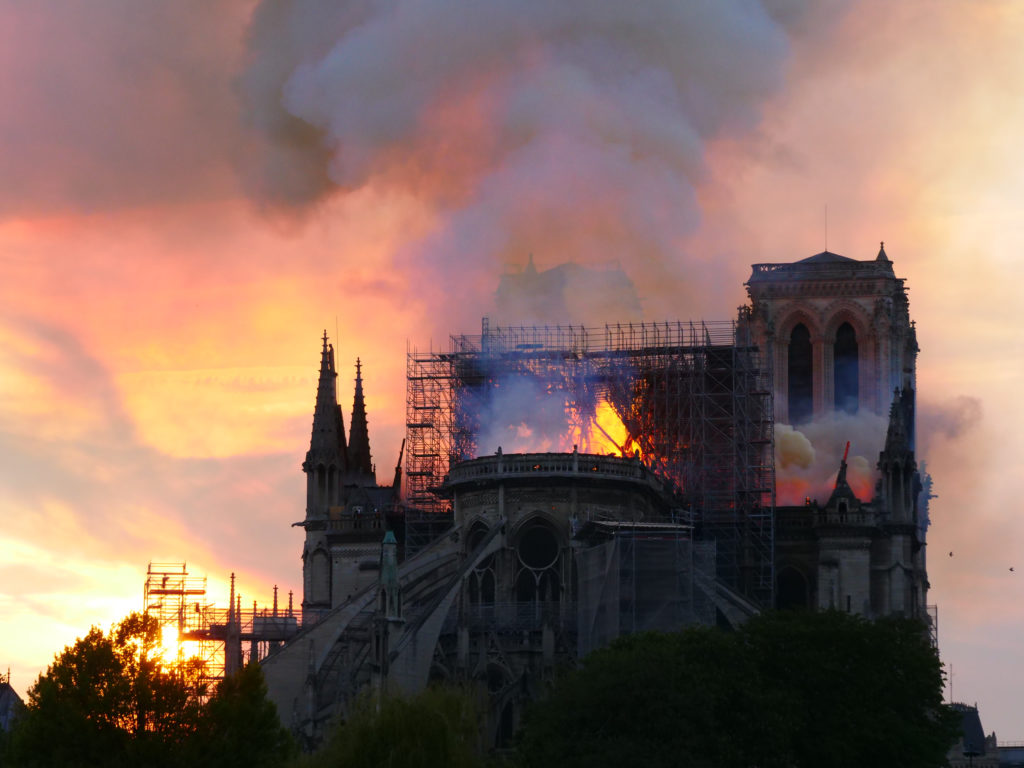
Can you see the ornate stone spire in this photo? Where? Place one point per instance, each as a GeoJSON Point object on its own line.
{"type": "Point", "coordinates": [842, 489]}
{"type": "Point", "coordinates": [900, 480]}
{"type": "Point", "coordinates": [327, 443]}
{"type": "Point", "coordinates": [359, 460]}
{"type": "Point", "coordinates": [899, 437]}
{"type": "Point", "coordinates": [881, 252]}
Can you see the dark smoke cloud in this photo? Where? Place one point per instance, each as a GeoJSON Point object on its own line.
{"type": "Point", "coordinates": [576, 128]}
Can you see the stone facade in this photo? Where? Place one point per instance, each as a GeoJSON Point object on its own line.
{"type": "Point", "coordinates": [826, 297]}
{"type": "Point", "coordinates": [864, 557]}
{"type": "Point", "coordinates": [521, 611]}
{"type": "Point", "coordinates": [839, 331]}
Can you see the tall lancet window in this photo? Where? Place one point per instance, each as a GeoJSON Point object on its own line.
{"type": "Point", "coordinates": [801, 376]}
{"type": "Point", "coordinates": [845, 356]}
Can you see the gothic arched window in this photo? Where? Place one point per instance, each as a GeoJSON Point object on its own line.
{"type": "Point", "coordinates": [537, 580]}
{"type": "Point", "coordinates": [845, 367]}
{"type": "Point", "coordinates": [801, 375]}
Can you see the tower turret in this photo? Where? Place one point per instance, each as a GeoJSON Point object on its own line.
{"type": "Point", "coordinates": [906, 586]}
{"type": "Point", "coordinates": [327, 458]}
{"type": "Point", "coordinates": [835, 332]}
{"type": "Point", "coordinates": [359, 459]}
{"type": "Point", "coordinates": [326, 463]}
{"type": "Point", "coordinates": [900, 482]}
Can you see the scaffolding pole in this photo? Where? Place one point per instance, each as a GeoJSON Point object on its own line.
{"type": "Point", "coordinates": [221, 639]}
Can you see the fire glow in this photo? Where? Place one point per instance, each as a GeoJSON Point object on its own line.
{"type": "Point", "coordinates": [601, 431]}
{"type": "Point", "coordinates": [604, 432]}
{"type": "Point", "coordinates": [174, 647]}
{"type": "Point", "coordinates": [807, 459]}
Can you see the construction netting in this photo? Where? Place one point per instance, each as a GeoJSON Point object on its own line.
{"type": "Point", "coordinates": [636, 582]}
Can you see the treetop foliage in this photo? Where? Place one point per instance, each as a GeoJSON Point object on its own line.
{"type": "Point", "coordinates": [111, 700]}
{"type": "Point", "coordinates": [787, 689]}
{"type": "Point", "coordinates": [438, 727]}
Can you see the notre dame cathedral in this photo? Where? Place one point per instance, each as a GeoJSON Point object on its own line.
{"type": "Point", "coordinates": [499, 567]}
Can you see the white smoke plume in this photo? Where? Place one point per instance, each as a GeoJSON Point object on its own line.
{"type": "Point", "coordinates": [950, 419]}
{"type": "Point", "coordinates": [792, 448]}
{"type": "Point", "coordinates": [577, 128]}
{"type": "Point", "coordinates": [522, 415]}
{"type": "Point", "coordinates": [564, 295]}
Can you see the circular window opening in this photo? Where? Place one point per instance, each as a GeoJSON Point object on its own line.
{"type": "Point", "coordinates": [538, 547]}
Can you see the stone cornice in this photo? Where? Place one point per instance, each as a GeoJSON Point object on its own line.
{"type": "Point", "coordinates": [826, 289]}
{"type": "Point", "coordinates": [803, 271]}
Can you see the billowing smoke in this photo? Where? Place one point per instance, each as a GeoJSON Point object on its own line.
{"type": "Point", "coordinates": [947, 420]}
{"type": "Point", "coordinates": [807, 457]}
{"type": "Point", "coordinates": [565, 295]}
{"type": "Point", "coordinates": [522, 415]}
{"type": "Point", "coordinates": [792, 448]}
{"type": "Point", "coordinates": [525, 413]}
{"type": "Point", "coordinates": [575, 128]}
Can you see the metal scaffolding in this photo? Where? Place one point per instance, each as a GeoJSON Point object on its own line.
{"type": "Point", "coordinates": [178, 600]}
{"type": "Point", "coordinates": [694, 398]}
{"type": "Point", "coordinates": [222, 639]}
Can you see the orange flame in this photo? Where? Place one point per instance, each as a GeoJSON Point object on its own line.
{"type": "Point", "coordinates": [600, 432]}
{"type": "Point", "coordinates": [606, 433]}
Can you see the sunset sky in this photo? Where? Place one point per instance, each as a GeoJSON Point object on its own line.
{"type": "Point", "coordinates": [191, 192]}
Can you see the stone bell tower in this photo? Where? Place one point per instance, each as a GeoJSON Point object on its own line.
{"type": "Point", "coordinates": [836, 334]}
{"type": "Point", "coordinates": [345, 507]}
{"type": "Point", "coordinates": [325, 466]}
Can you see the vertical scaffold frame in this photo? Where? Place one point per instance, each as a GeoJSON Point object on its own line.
{"type": "Point", "coordinates": [178, 599]}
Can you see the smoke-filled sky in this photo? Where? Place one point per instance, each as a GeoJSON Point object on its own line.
{"type": "Point", "coordinates": [191, 192]}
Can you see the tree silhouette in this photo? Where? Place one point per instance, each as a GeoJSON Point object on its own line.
{"type": "Point", "coordinates": [109, 700]}
{"type": "Point", "coordinates": [788, 689]}
{"type": "Point", "coordinates": [240, 727]}
{"type": "Point", "coordinates": [437, 727]}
